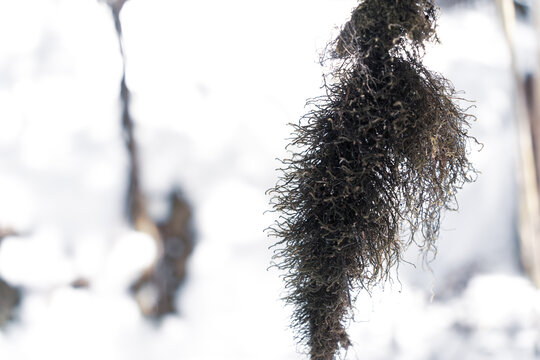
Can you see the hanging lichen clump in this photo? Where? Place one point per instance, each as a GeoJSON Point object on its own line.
{"type": "Point", "coordinates": [378, 158]}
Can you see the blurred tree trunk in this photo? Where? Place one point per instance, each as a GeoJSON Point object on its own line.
{"type": "Point", "coordinates": [156, 288]}
{"type": "Point", "coordinates": [533, 259]}
{"type": "Point", "coordinates": [527, 103]}
{"type": "Point", "coordinates": [9, 296]}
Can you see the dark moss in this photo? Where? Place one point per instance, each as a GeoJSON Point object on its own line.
{"type": "Point", "coordinates": [378, 158]}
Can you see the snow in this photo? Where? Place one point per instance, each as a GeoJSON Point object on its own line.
{"type": "Point", "coordinates": [214, 84]}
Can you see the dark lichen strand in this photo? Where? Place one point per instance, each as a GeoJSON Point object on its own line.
{"type": "Point", "coordinates": [377, 159]}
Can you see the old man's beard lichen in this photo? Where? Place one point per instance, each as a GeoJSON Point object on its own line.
{"type": "Point", "coordinates": [384, 150]}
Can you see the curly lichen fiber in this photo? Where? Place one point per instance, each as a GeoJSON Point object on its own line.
{"type": "Point", "coordinates": [385, 149]}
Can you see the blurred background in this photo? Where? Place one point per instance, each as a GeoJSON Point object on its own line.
{"type": "Point", "coordinates": [133, 177]}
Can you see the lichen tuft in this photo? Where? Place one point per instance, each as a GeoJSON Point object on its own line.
{"type": "Point", "coordinates": [378, 158]}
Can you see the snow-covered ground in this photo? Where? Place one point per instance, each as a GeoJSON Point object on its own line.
{"type": "Point", "coordinates": [214, 84]}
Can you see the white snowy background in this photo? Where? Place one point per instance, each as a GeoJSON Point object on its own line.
{"type": "Point", "coordinates": [214, 84]}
